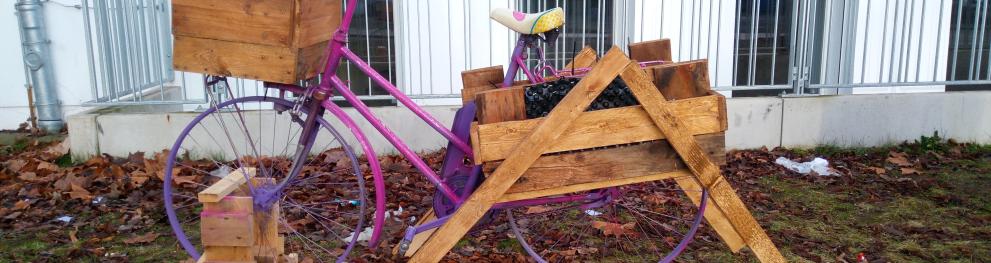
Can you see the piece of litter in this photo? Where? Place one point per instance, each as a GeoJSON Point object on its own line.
{"type": "Point", "coordinates": [97, 200]}
{"type": "Point", "coordinates": [221, 171]}
{"type": "Point", "coordinates": [818, 165]}
{"type": "Point", "coordinates": [592, 212]}
{"type": "Point", "coordinates": [365, 235]}
{"type": "Point", "coordinates": [65, 219]}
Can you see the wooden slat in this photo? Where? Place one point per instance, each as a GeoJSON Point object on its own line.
{"type": "Point", "coordinates": [311, 60]}
{"type": "Point", "coordinates": [316, 22]}
{"type": "Point", "coordinates": [225, 186]}
{"type": "Point", "coordinates": [558, 170]}
{"type": "Point", "coordinates": [594, 185]}
{"type": "Point", "coordinates": [266, 22]}
{"type": "Point", "coordinates": [584, 59]}
{"type": "Point", "coordinates": [228, 223]}
{"type": "Point", "coordinates": [599, 128]}
{"type": "Point", "coordinates": [653, 50]}
{"type": "Point", "coordinates": [227, 255]}
{"type": "Point", "coordinates": [713, 215]}
{"type": "Point", "coordinates": [534, 145]}
{"type": "Point", "coordinates": [682, 80]}
{"type": "Point", "coordinates": [478, 80]}
{"type": "Point", "coordinates": [226, 58]}
{"type": "Point", "coordinates": [420, 238]}
{"type": "Point", "coordinates": [499, 105]}
{"type": "Point", "coordinates": [706, 171]}
{"type": "Point", "coordinates": [268, 244]}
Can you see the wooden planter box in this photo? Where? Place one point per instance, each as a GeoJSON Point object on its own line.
{"type": "Point", "coordinates": [280, 41]}
{"type": "Point", "coordinates": [604, 147]}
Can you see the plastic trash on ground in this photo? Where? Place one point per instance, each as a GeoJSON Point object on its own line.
{"type": "Point", "coordinates": [818, 165]}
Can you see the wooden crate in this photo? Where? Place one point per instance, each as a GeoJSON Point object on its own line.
{"type": "Point", "coordinates": [280, 41]}
{"type": "Point", "coordinates": [573, 150]}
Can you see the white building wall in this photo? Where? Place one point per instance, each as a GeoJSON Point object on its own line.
{"type": "Point", "coordinates": [68, 53]}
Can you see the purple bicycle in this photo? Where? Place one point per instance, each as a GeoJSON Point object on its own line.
{"type": "Point", "coordinates": [329, 208]}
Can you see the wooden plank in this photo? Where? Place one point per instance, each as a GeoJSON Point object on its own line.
{"type": "Point", "coordinates": [268, 244]}
{"type": "Point", "coordinates": [593, 185]}
{"type": "Point", "coordinates": [558, 170]}
{"type": "Point", "coordinates": [228, 223]}
{"type": "Point", "coordinates": [535, 144]}
{"type": "Point", "coordinates": [499, 105]}
{"type": "Point", "coordinates": [420, 238]}
{"type": "Point", "coordinates": [226, 58]}
{"type": "Point", "coordinates": [713, 215]}
{"type": "Point", "coordinates": [266, 22]}
{"type": "Point", "coordinates": [311, 61]}
{"type": "Point", "coordinates": [225, 186]}
{"type": "Point", "coordinates": [682, 80]}
{"type": "Point", "coordinates": [706, 171]}
{"type": "Point", "coordinates": [478, 80]}
{"type": "Point", "coordinates": [584, 59]}
{"type": "Point", "coordinates": [227, 255]}
{"type": "Point", "coordinates": [316, 22]}
{"type": "Point", "coordinates": [654, 50]}
{"type": "Point", "coordinates": [598, 128]}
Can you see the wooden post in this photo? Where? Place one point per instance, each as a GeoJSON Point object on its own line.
{"type": "Point", "coordinates": [231, 230]}
{"type": "Point", "coordinates": [707, 173]}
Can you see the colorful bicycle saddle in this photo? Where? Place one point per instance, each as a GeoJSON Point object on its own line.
{"type": "Point", "coordinates": [529, 24]}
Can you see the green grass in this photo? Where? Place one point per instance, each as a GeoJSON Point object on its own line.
{"type": "Point", "coordinates": [944, 221]}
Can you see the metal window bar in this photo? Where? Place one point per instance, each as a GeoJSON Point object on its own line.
{"type": "Point", "coordinates": [129, 43]}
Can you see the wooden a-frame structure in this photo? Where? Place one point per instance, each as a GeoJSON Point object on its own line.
{"type": "Point", "coordinates": [726, 212]}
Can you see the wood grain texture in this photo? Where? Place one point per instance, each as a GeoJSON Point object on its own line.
{"type": "Point", "coordinates": [499, 105]}
{"type": "Point", "coordinates": [584, 59]}
{"type": "Point", "coordinates": [228, 222]}
{"type": "Point", "coordinates": [595, 185]}
{"type": "Point", "coordinates": [225, 58]}
{"type": "Point", "coordinates": [478, 80]}
{"type": "Point", "coordinates": [682, 80]}
{"type": "Point", "coordinates": [311, 61]}
{"type": "Point", "coordinates": [316, 21]}
{"type": "Point", "coordinates": [573, 104]}
{"type": "Point", "coordinates": [705, 170]}
{"type": "Point", "coordinates": [599, 128]}
{"type": "Point", "coordinates": [227, 255]}
{"type": "Point", "coordinates": [713, 214]}
{"type": "Point", "coordinates": [552, 171]}
{"type": "Point", "coordinates": [266, 22]}
{"type": "Point", "coordinates": [232, 181]}
{"type": "Point", "coordinates": [653, 50]}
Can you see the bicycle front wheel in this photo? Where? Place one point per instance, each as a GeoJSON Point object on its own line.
{"type": "Point", "coordinates": [323, 207]}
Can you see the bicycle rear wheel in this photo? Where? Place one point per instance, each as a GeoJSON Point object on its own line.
{"type": "Point", "coordinates": [644, 222]}
{"type": "Point", "coordinates": [323, 208]}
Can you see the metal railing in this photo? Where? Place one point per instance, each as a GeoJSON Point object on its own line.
{"type": "Point", "coordinates": [763, 46]}
{"type": "Point", "coordinates": [129, 50]}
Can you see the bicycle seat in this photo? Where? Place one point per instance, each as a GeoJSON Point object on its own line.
{"type": "Point", "coordinates": [529, 24]}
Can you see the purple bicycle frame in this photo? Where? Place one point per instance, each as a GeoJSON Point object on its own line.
{"type": "Point", "coordinates": [338, 50]}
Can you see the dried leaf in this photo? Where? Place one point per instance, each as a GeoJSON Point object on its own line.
{"type": "Point", "coordinates": [614, 229]}
{"type": "Point", "coordinates": [78, 192]}
{"type": "Point", "coordinates": [15, 165]}
{"type": "Point", "coordinates": [878, 170]}
{"type": "Point", "coordinates": [898, 158]}
{"type": "Point", "coordinates": [72, 235]}
{"type": "Point", "coordinates": [47, 166]}
{"type": "Point", "coordinates": [908, 171]}
{"type": "Point", "coordinates": [22, 204]}
{"type": "Point", "coordinates": [146, 238]}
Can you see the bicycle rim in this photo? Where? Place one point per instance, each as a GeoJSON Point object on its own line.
{"type": "Point", "coordinates": [644, 222]}
{"type": "Point", "coordinates": [322, 209]}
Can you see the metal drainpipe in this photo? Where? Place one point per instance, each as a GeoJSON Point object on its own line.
{"type": "Point", "coordinates": [34, 43]}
